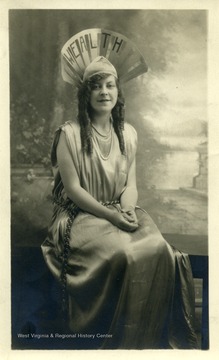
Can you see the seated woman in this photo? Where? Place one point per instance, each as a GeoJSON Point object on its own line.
{"type": "Point", "coordinates": [122, 279]}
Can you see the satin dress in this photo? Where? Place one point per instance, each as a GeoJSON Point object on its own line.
{"type": "Point", "coordinates": [131, 288]}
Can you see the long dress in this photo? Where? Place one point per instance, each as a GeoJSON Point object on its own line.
{"type": "Point", "coordinates": [131, 289]}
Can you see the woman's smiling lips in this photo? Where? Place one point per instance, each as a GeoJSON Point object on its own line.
{"type": "Point", "coordinates": [103, 100]}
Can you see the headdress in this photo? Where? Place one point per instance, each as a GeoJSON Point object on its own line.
{"type": "Point", "coordinates": [99, 65]}
{"type": "Point", "coordinates": [93, 49]}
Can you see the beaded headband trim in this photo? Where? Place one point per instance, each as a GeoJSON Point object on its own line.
{"type": "Point", "coordinates": [83, 48]}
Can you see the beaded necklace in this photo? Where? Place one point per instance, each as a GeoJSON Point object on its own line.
{"type": "Point", "coordinates": [103, 142]}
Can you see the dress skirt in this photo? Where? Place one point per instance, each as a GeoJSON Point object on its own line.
{"type": "Point", "coordinates": [131, 288]}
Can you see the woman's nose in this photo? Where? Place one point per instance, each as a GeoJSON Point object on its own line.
{"type": "Point", "coordinates": [103, 90]}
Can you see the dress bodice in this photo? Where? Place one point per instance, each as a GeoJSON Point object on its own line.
{"type": "Point", "coordinates": [103, 177]}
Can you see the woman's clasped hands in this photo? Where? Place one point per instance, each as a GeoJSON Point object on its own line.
{"type": "Point", "coordinates": [125, 220]}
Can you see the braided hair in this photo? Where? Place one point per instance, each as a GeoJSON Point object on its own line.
{"type": "Point", "coordinates": [84, 114]}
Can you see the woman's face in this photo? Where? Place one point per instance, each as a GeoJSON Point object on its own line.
{"type": "Point", "coordinates": [104, 94]}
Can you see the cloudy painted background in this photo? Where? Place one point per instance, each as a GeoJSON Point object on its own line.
{"type": "Point", "coordinates": [167, 106]}
{"type": "Point", "coordinates": [182, 115]}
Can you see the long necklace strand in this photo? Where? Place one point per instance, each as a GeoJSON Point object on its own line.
{"type": "Point", "coordinates": [99, 133]}
{"type": "Point", "coordinates": [103, 142]}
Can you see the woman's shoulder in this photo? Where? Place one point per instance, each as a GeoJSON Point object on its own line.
{"type": "Point", "coordinates": [130, 132]}
{"type": "Point", "coordinates": [131, 140]}
{"type": "Point", "coordinates": [70, 127]}
{"type": "Point", "coordinates": [129, 128]}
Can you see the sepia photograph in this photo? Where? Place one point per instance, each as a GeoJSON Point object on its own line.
{"type": "Point", "coordinates": [109, 168]}
{"type": "Point", "coordinates": [108, 200]}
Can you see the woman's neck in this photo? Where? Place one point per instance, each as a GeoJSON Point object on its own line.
{"type": "Point", "coordinates": [102, 122]}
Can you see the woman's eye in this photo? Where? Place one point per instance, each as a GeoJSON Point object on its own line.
{"type": "Point", "coordinates": [99, 86]}
{"type": "Point", "coordinates": [95, 86]}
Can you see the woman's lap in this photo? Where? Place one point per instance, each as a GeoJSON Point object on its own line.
{"type": "Point", "coordinates": [116, 279]}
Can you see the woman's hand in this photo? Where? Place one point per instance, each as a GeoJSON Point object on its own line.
{"type": "Point", "coordinates": [130, 215]}
{"type": "Point", "coordinates": [118, 219]}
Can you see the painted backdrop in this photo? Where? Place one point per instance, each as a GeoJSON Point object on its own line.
{"type": "Point", "coordinates": [167, 106]}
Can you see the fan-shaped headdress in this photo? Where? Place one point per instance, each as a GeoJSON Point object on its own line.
{"type": "Point", "coordinates": [107, 49]}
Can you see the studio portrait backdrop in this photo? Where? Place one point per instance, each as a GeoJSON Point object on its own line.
{"type": "Point", "coordinates": [168, 108]}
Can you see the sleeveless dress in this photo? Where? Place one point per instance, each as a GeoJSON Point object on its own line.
{"type": "Point", "coordinates": [131, 289]}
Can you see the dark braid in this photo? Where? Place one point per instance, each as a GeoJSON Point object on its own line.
{"type": "Point", "coordinates": [84, 113]}
{"type": "Point", "coordinates": [118, 114]}
{"type": "Point", "coordinates": [84, 119]}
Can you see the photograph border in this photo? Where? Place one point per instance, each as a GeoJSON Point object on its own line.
{"type": "Point", "coordinates": [213, 71]}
